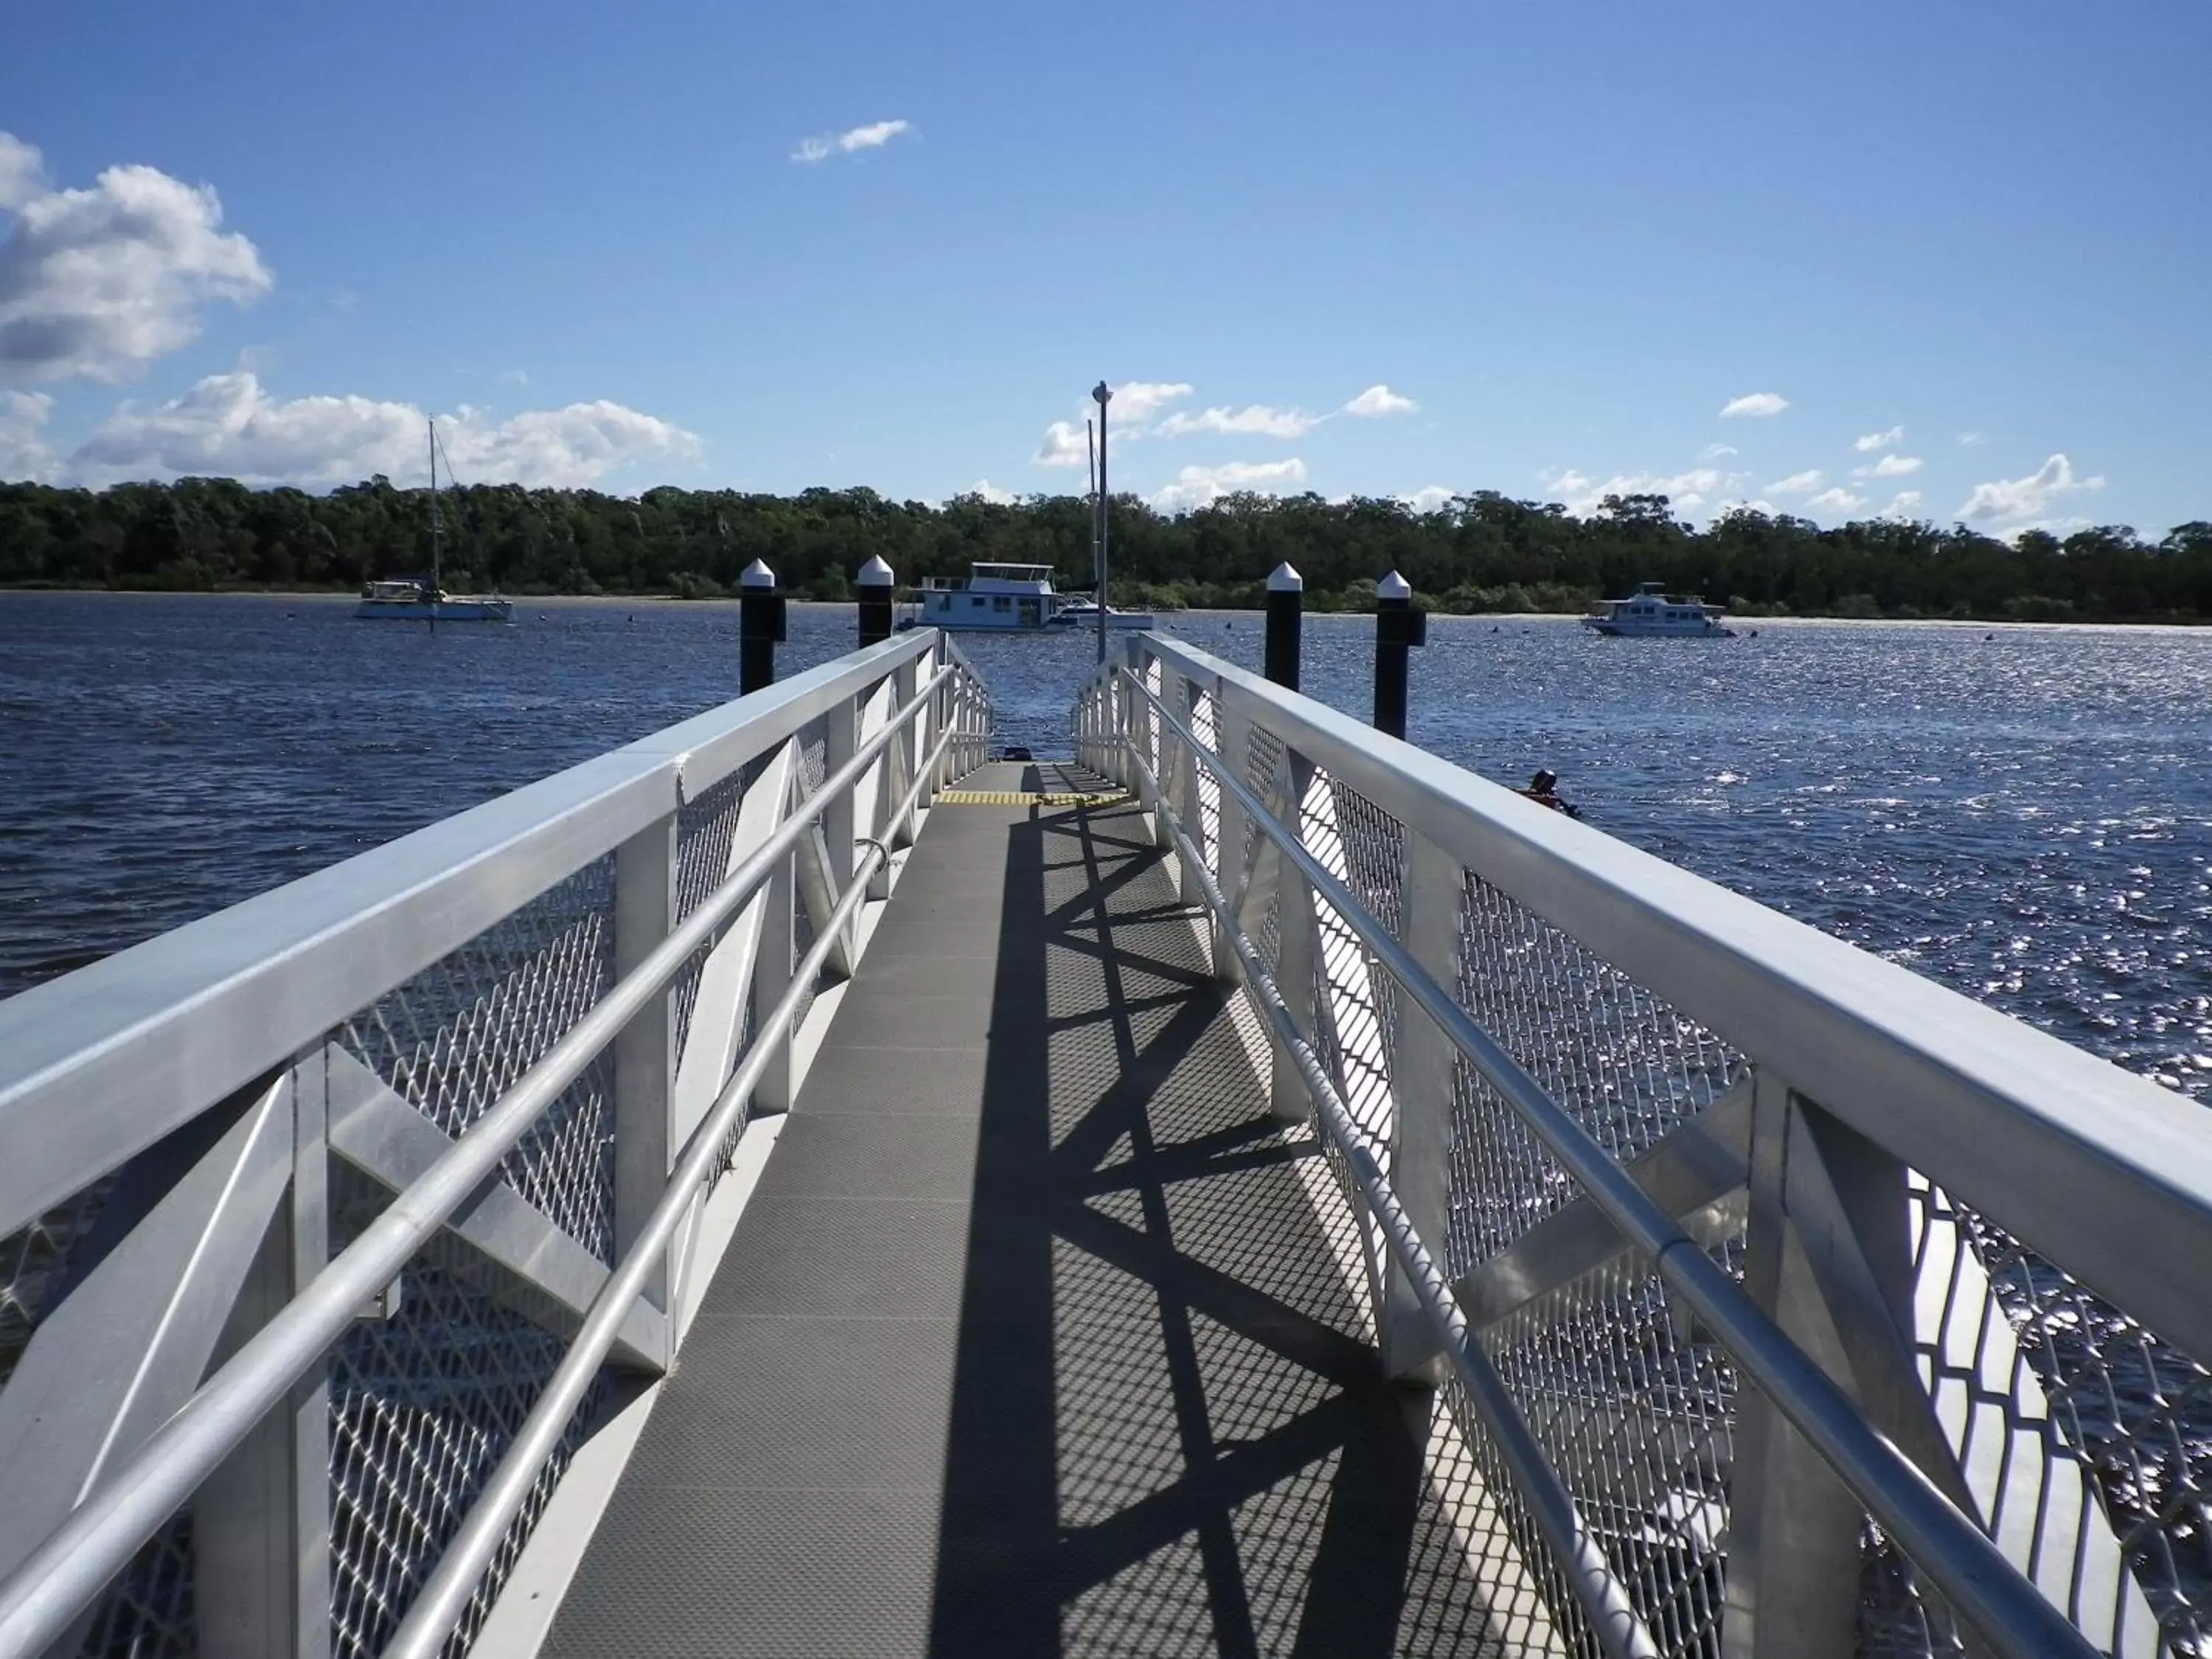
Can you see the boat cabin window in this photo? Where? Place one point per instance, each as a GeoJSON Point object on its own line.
{"type": "Point", "coordinates": [1002, 603]}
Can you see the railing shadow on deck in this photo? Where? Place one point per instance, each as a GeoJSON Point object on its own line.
{"type": "Point", "coordinates": [1170, 1429]}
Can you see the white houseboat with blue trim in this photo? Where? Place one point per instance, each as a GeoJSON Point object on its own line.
{"type": "Point", "coordinates": [994, 598]}
{"type": "Point", "coordinates": [1650, 614]}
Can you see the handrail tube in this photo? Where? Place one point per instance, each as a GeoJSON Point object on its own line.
{"type": "Point", "coordinates": [100, 1063]}
{"type": "Point", "coordinates": [440, 1604]}
{"type": "Point", "coordinates": [1966, 1565]}
{"type": "Point", "coordinates": [1620, 1631]}
{"type": "Point", "coordinates": [2049, 1140]}
{"type": "Point", "coordinates": [60, 1577]}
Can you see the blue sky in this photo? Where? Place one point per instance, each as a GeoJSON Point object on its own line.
{"type": "Point", "coordinates": [1569, 234]}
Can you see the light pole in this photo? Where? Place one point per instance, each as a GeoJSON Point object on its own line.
{"type": "Point", "coordinates": [1102, 395]}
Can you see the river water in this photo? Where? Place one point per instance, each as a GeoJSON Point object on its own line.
{"type": "Point", "coordinates": [2024, 814]}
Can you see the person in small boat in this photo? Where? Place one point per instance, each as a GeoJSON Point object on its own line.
{"type": "Point", "coordinates": [1544, 789]}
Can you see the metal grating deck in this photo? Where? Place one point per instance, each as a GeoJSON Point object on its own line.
{"type": "Point", "coordinates": [1033, 1339]}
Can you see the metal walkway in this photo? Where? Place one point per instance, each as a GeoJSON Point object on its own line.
{"type": "Point", "coordinates": [1034, 1337]}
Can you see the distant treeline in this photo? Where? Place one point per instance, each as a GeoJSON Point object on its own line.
{"type": "Point", "coordinates": [1482, 551]}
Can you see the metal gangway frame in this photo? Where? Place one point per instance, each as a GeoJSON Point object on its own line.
{"type": "Point", "coordinates": [1792, 1303]}
{"type": "Point", "coordinates": [330, 1225]}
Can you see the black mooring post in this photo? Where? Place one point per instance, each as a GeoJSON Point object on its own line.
{"type": "Point", "coordinates": [759, 626]}
{"type": "Point", "coordinates": [875, 583]}
{"type": "Point", "coordinates": [1398, 629]}
{"type": "Point", "coordinates": [1286, 593]}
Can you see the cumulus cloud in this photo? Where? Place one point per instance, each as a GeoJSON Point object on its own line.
{"type": "Point", "coordinates": [23, 452]}
{"type": "Point", "coordinates": [1754, 404]}
{"type": "Point", "coordinates": [2005, 499]}
{"type": "Point", "coordinates": [1718, 452]}
{"type": "Point", "coordinates": [1379, 400]}
{"type": "Point", "coordinates": [1064, 444]}
{"type": "Point", "coordinates": [22, 171]}
{"type": "Point", "coordinates": [1688, 492]}
{"type": "Point", "coordinates": [991, 493]}
{"type": "Point", "coordinates": [1194, 486]}
{"type": "Point", "coordinates": [1837, 500]}
{"type": "Point", "coordinates": [1129, 415]}
{"type": "Point", "coordinates": [227, 425]}
{"type": "Point", "coordinates": [1430, 498]}
{"type": "Point", "coordinates": [101, 282]}
{"type": "Point", "coordinates": [1256, 418]}
{"type": "Point", "coordinates": [1797, 484]}
{"type": "Point", "coordinates": [1890, 466]}
{"type": "Point", "coordinates": [874, 135]}
{"type": "Point", "coordinates": [1902, 504]}
{"type": "Point", "coordinates": [1868, 442]}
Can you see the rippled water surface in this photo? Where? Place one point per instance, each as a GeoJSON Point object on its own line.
{"type": "Point", "coordinates": [2026, 817]}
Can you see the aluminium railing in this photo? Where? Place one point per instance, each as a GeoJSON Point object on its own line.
{"type": "Point", "coordinates": [1792, 1304]}
{"type": "Point", "coordinates": [329, 1223]}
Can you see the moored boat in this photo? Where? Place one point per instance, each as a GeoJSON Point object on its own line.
{"type": "Point", "coordinates": [424, 599]}
{"type": "Point", "coordinates": [1081, 612]}
{"type": "Point", "coordinates": [1650, 614]}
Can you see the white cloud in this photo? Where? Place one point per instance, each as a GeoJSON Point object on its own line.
{"type": "Point", "coordinates": [227, 426]}
{"type": "Point", "coordinates": [1798, 483]}
{"type": "Point", "coordinates": [1837, 500]}
{"type": "Point", "coordinates": [991, 493]}
{"type": "Point", "coordinates": [874, 135]}
{"type": "Point", "coordinates": [101, 281]}
{"type": "Point", "coordinates": [1972, 440]}
{"type": "Point", "coordinates": [1253, 418]}
{"type": "Point", "coordinates": [1129, 415]}
{"type": "Point", "coordinates": [1687, 492]}
{"type": "Point", "coordinates": [1718, 452]}
{"type": "Point", "coordinates": [515, 376]}
{"type": "Point", "coordinates": [1194, 486]}
{"type": "Point", "coordinates": [1430, 498]}
{"type": "Point", "coordinates": [1064, 444]}
{"type": "Point", "coordinates": [1873, 440]}
{"type": "Point", "coordinates": [1890, 466]}
{"type": "Point", "coordinates": [2005, 499]}
{"type": "Point", "coordinates": [22, 171]}
{"type": "Point", "coordinates": [1135, 402]}
{"type": "Point", "coordinates": [23, 452]}
{"type": "Point", "coordinates": [1902, 504]}
{"type": "Point", "coordinates": [1755, 403]}
{"type": "Point", "coordinates": [1379, 400]}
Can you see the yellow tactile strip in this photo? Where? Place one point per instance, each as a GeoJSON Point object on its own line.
{"type": "Point", "coordinates": [1026, 798]}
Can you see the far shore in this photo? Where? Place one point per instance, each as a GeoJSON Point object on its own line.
{"type": "Point", "coordinates": [524, 602]}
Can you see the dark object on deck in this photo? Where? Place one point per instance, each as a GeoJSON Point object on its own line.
{"type": "Point", "coordinates": [1015, 752]}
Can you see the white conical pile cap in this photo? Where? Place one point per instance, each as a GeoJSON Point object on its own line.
{"type": "Point", "coordinates": [875, 572]}
{"type": "Point", "coordinates": [1394, 587]}
{"type": "Point", "coordinates": [1284, 578]}
{"type": "Point", "coordinates": [757, 574]}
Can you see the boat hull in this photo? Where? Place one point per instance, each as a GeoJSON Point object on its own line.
{"type": "Point", "coordinates": [1630, 631]}
{"type": "Point", "coordinates": [454, 610]}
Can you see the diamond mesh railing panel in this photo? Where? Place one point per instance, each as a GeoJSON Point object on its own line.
{"type": "Point", "coordinates": [706, 829]}
{"type": "Point", "coordinates": [1263, 760]}
{"type": "Point", "coordinates": [34, 1261]}
{"type": "Point", "coordinates": [457, 1036]}
{"type": "Point", "coordinates": [423, 1406]}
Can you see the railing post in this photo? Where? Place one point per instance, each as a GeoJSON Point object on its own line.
{"type": "Point", "coordinates": [1424, 1084]}
{"type": "Point", "coordinates": [1232, 741]}
{"type": "Point", "coordinates": [1793, 1565]}
{"type": "Point", "coordinates": [838, 826]}
{"type": "Point", "coordinates": [645, 1050]}
{"type": "Point", "coordinates": [1188, 810]}
{"type": "Point", "coordinates": [1296, 947]}
{"type": "Point", "coordinates": [261, 1523]}
{"type": "Point", "coordinates": [1396, 627]}
{"type": "Point", "coordinates": [905, 757]}
{"type": "Point", "coordinates": [772, 965]}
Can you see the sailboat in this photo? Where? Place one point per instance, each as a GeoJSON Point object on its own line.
{"type": "Point", "coordinates": [424, 599]}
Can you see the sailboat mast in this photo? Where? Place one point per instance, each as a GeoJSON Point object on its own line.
{"type": "Point", "coordinates": [437, 578]}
